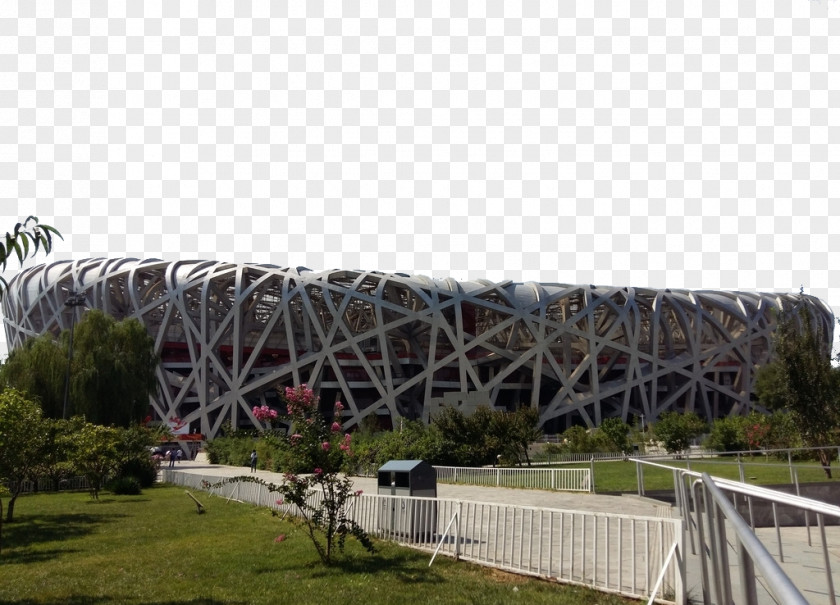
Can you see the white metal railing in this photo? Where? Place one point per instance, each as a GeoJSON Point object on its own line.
{"type": "Point", "coordinates": [622, 554]}
{"type": "Point", "coordinates": [46, 484]}
{"type": "Point", "coordinates": [562, 479]}
{"type": "Point", "coordinates": [704, 495]}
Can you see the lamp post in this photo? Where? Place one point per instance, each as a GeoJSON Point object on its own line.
{"type": "Point", "coordinates": [75, 299]}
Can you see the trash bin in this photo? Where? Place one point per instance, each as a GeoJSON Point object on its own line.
{"type": "Point", "coordinates": [413, 519]}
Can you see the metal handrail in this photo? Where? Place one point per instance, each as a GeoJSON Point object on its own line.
{"type": "Point", "coordinates": [752, 550]}
{"type": "Point", "coordinates": [780, 585]}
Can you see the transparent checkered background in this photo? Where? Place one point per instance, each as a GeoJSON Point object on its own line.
{"type": "Point", "coordinates": [663, 144]}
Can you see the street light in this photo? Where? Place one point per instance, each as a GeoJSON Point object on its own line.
{"type": "Point", "coordinates": [75, 299]}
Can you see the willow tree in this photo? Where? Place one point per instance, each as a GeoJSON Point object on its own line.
{"type": "Point", "coordinates": [802, 381]}
{"type": "Point", "coordinates": [38, 368]}
{"type": "Point", "coordinates": [113, 371]}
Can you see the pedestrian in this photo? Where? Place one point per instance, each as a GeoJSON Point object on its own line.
{"type": "Point", "coordinates": [179, 454]}
{"type": "Point", "coordinates": [253, 461]}
{"type": "Point", "coordinates": [171, 458]}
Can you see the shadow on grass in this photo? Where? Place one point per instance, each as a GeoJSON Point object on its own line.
{"type": "Point", "coordinates": [89, 600]}
{"type": "Point", "coordinates": [399, 566]}
{"type": "Point", "coordinates": [27, 531]}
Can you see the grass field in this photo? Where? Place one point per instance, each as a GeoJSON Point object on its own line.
{"type": "Point", "coordinates": [155, 549]}
{"type": "Point", "coordinates": [620, 476]}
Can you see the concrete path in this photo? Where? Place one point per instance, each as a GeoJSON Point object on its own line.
{"type": "Point", "coordinates": [804, 564]}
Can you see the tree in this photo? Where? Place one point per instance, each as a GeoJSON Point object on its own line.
{"type": "Point", "coordinates": [38, 368]}
{"type": "Point", "coordinates": [55, 458]}
{"type": "Point", "coordinates": [463, 437]}
{"type": "Point", "coordinates": [514, 432]}
{"type": "Point", "coordinates": [113, 373]}
{"type": "Point", "coordinates": [31, 233]}
{"type": "Point", "coordinates": [676, 430]}
{"type": "Point", "coordinates": [616, 431]}
{"type": "Point", "coordinates": [802, 381]}
{"type": "Point", "coordinates": [96, 454]}
{"type": "Point", "coordinates": [727, 434]}
{"type": "Point", "coordinates": [22, 435]}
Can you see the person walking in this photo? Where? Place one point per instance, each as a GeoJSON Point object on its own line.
{"type": "Point", "coordinates": [253, 461]}
{"type": "Point", "coordinates": [171, 458]}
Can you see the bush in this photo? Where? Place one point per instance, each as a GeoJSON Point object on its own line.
{"type": "Point", "coordinates": [141, 470]}
{"type": "Point", "coordinates": [125, 486]}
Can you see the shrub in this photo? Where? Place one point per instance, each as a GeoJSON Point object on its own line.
{"type": "Point", "coordinates": [141, 470]}
{"type": "Point", "coordinates": [125, 486]}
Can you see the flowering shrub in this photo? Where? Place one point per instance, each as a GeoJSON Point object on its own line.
{"type": "Point", "coordinates": [319, 450]}
{"type": "Point", "coordinates": [264, 414]}
{"type": "Point", "coordinates": [756, 434]}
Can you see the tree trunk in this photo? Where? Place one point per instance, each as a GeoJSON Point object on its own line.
{"type": "Point", "coordinates": [1, 525]}
{"type": "Point", "coordinates": [825, 460]}
{"type": "Point", "coordinates": [10, 510]}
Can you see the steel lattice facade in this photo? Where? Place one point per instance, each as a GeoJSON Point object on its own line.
{"type": "Point", "coordinates": [399, 346]}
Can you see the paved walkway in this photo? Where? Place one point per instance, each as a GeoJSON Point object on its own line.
{"type": "Point", "coordinates": [803, 563]}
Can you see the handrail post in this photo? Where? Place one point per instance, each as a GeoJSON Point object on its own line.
{"type": "Point", "coordinates": [830, 581]}
{"type": "Point", "coordinates": [790, 466]}
{"type": "Point", "coordinates": [592, 475]}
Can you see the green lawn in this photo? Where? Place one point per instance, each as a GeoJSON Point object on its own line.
{"type": "Point", "coordinates": [620, 476]}
{"type": "Point", "coordinates": [155, 549]}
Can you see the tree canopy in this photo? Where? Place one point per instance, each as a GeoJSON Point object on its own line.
{"type": "Point", "coordinates": [676, 430]}
{"type": "Point", "coordinates": [22, 435]}
{"type": "Point", "coordinates": [802, 381]}
{"type": "Point", "coordinates": [112, 373]}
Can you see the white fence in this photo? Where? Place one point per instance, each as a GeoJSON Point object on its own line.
{"type": "Point", "coordinates": [46, 484]}
{"type": "Point", "coordinates": [621, 554]}
{"type": "Point", "coordinates": [562, 479]}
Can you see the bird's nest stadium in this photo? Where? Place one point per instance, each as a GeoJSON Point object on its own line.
{"type": "Point", "coordinates": [392, 345]}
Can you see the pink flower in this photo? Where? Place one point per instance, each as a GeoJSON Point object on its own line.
{"type": "Point", "coordinates": [325, 446]}
{"type": "Point", "coordinates": [280, 538]}
{"type": "Point", "coordinates": [317, 470]}
{"type": "Point", "coordinates": [335, 427]}
{"type": "Point", "coordinates": [347, 437]}
{"type": "Point", "coordinates": [338, 406]}
{"type": "Point", "coordinates": [358, 492]}
{"type": "Point", "coordinates": [290, 477]}
{"type": "Point", "coordinates": [280, 502]}
{"type": "Point", "coordinates": [344, 447]}
{"type": "Point", "coordinates": [296, 437]}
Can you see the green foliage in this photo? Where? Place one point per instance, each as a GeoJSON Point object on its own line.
{"type": "Point", "coordinates": [125, 485]}
{"type": "Point", "coordinates": [676, 430]}
{"type": "Point", "coordinates": [23, 434]}
{"type": "Point", "coordinates": [728, 435]}
{"type": "Point", "coordinates": [802, 381]}
{"type": "Point", "coordinates": [133, 457]}
{"type": "Point", "coordinates": [512, 433]}
{"type": "Point", "coordinates": [38, 368]}
{"type": "Point", "coordinates": [112, 372]}
{"type": "Point", "coordinates": [485, 437]}
{"type": "Point", "coordinates": [31, 232]}
{"type": "Point", "coordinates": [415, 441]}
{"type": "Point", "coordinates": [233, 450]}
{"type": "Point", "coordinates": [577, 440]}
{"type": "Point", "coordinates": [96, 454]}
{"type": "Point", "coordinates": [114, 367]}
{"type": "Point", "coordinates": [55, 458]}
{"type": "Point", "coordinates": [784, 432]}
{"type": "Point", "coordinates": [616, 431]}
{"type": "Point", "coordinates": [463, 438]}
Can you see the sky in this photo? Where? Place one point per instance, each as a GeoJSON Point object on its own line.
{"type": "Point", "coordinates": [655, 145]}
